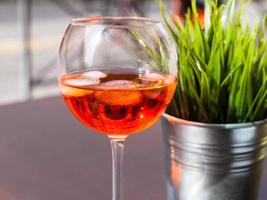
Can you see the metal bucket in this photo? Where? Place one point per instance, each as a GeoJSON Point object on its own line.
{"type": "Point", "coordinates": [213, 161]}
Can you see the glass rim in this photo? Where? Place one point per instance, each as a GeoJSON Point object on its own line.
{"type": "Point", "coordinates": [96, 20]}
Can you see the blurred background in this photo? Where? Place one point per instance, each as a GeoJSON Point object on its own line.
{"type": "Point", "coordinates": [31, 32]}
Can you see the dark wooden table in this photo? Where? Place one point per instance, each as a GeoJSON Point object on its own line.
{"type": "Point", "coordinates": [45, 154]}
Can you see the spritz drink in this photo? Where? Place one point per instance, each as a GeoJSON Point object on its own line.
{"type": "Point", "coordinates": [117, 101]}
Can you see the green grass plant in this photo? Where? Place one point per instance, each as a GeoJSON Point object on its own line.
{"type": "Point", "coordinates": [222, 68]}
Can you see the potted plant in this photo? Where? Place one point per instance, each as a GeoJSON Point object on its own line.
{"type": "Point", "coordinates": [215, 129]}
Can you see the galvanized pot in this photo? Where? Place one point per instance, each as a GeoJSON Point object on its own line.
{"type": "Point", "coordinates": [213, 161]}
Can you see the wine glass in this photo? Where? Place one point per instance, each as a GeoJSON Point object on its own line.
{"type": "Point", "coordinates": [117, 75]}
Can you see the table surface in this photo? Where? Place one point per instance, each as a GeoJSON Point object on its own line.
{"type": "Point", "coordinates": [47, 154]}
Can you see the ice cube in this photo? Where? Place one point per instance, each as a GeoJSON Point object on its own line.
{"type": "Point", "coordinates": [81, 82]}
{"type": "Point", "coordinates": [153, 94]}
{"type": "Point", "coordinates": [76, 87]}
{"type": "Point", "coordinates": [120, 84]}
{"type": "Point", "coordinates": [169, 81]}
{"type": "Point", "coordinates": [74, 92]}
{"type": "Point", "coordinates": [166, 79]}
{"type": "Point", "coordinates": [94, 74]}
{"type": "Point", "coordinates": [119, 97]}
{"type": "Point", "coordinates": [119, 92]}
{"type": "Point", "coordinates": [153, 77]}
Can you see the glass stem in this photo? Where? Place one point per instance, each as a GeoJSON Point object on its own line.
{"type": "Point", "coordinates": [117, 147]}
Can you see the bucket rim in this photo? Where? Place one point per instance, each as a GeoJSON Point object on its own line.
{"type": "Point", "coordinates": [177, 120]}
